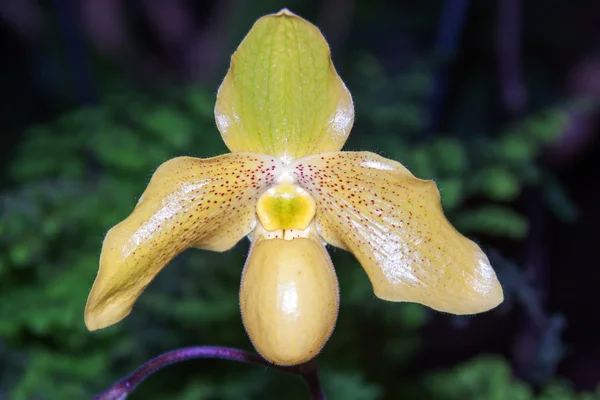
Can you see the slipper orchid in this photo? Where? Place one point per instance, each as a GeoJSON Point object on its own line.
{"type": "Point", "coordinates": [285, 114]}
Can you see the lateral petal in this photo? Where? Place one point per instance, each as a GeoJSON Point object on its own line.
{"type": "Point", "coordinates": [394, 224]}
{"type": "Point", "coordinates": [189, 202]}
{"type": "Point", "coordinates": [282, 95]}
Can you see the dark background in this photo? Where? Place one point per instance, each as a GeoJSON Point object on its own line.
{"type": "Point", "coordinates": [495, 100]}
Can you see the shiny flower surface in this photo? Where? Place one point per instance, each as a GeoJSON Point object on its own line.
{"type": "Point", "coordinates": [285, 114]}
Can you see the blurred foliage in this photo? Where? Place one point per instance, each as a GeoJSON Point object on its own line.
{"type": "Point", "coordinates": [490, 378]}
{"type": "Point", "coordinates": [73, 178]}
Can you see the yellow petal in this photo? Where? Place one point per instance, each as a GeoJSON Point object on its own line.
{"type": "Point", "coordinates": [395, 226]}
{"type": "Point", "coordinates": [282, 95]}
{"type": "Point", "coordinates": [190, 202]}
{"type": "Point", "coordinates": [289, 298]}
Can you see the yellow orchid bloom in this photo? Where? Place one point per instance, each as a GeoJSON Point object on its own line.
{"type": "Point", "coordinates": [285, 114]}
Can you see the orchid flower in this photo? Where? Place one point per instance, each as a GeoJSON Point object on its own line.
{"type": "Point", "coordinates": [285, 114]}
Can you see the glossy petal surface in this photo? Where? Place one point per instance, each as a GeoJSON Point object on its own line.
{"type": "Point", "coordinates": [190, 202]}
{"type": "Point", "coordinates": [289, 298]}
{"type": "Point", "coordinates": [394, 224]}
{"type": "Point", "coordinates": [282, 95]}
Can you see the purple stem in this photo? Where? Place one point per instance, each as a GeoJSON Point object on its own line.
{"type": "Point", "coordinates": [123, 388]}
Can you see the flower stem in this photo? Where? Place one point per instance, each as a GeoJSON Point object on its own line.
{"type": "Point", "coordinates": [124, 387]}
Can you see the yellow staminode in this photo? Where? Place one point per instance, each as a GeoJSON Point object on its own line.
{"type": "Point", "coordinates": [285, 206]}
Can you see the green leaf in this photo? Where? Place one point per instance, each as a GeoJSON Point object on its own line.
{"type": "Point", "coordinates": [343, 386]}
{"type": "Point", "coordinates": [170, 125]}
{"type": "Point", "coordinates": [497, 183]}
{"type": "Point", "coordinates": [482, 378]}
{"type": "Point", "coordinates": [492, 220]}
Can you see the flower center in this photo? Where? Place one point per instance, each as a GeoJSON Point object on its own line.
{"type": "Point", "coordinates": [285, 206]}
